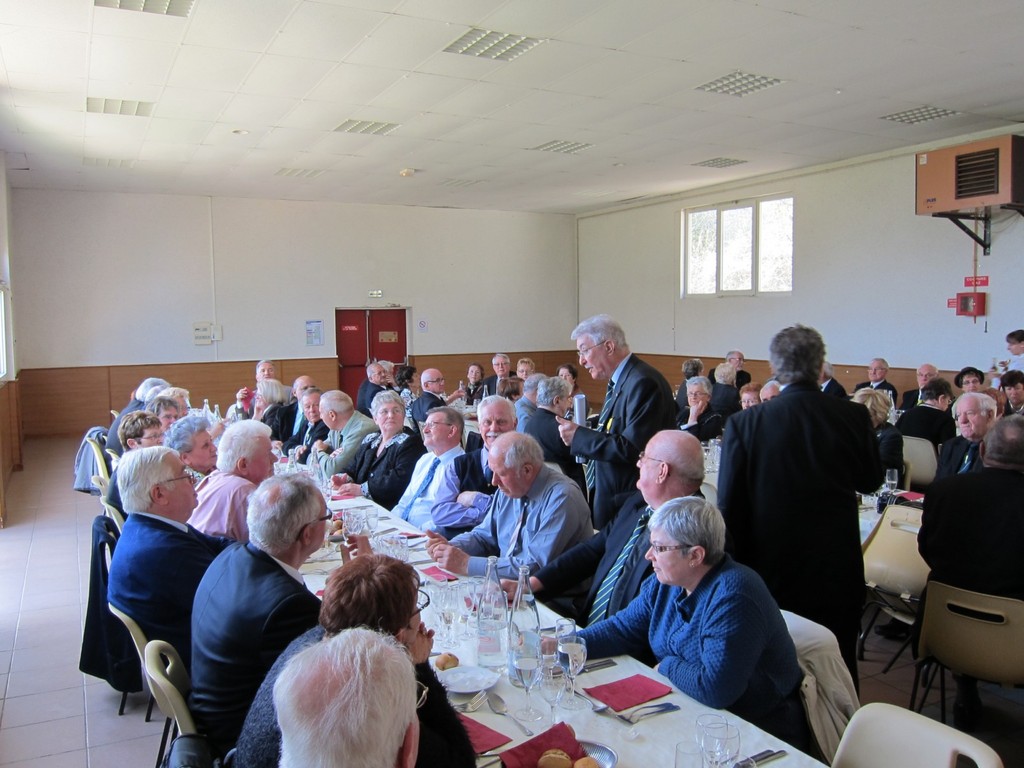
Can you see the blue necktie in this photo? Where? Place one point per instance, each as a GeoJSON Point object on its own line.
{"type": "Point", "coordinates": [423, 486]}
{"type": "Point", "coordinates": [599, 609]}
{"type": "Point", "coordinates": [972, 451]}
{"type": "Point", "coordinates": [606, 407]}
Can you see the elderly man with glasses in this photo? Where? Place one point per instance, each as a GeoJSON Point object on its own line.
{"type": "Point", "coordinates": [442, 436]}
{"type": "Point", "coordinates": [432, 394]}
{"type": "Point", "coordinates": [159, 560]}
{"type": "Point", "coordinates": [252, 603]}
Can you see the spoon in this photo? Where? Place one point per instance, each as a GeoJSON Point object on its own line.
{"type": "Point", "coordinates": [498, 707]}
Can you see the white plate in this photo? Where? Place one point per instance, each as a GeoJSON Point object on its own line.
{"type": "Point", "coordinates": [605, 756]}
{"type": "Point", "coordinates": [467, 679]}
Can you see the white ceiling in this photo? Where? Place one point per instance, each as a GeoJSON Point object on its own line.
{"type": "Point", "coordinates": [618, 74]}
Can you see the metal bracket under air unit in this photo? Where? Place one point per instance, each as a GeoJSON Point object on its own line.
{"type": "Point", "coordinates": [985, 241]}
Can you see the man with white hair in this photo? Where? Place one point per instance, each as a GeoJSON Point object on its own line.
{"type": "Point", "coordinates": [159, 559]}
{"type": "Point", "coordinates": [245, 398]}
{"type": "Point", "coordinates": [289, 418]}
{"type": "Point", "coordinates": [349, 700]}
{"type": "Point", "coordinates": [637, 404]}
{"type": "Point", "coordinates": [925, 373]}
{"type": "Point", "coordinates": [346, 429]}
{"type": "Point", "coordinates": [432, 394]}
{"type": "Point", "coordinates": [465, 490]}
{"type": "Point", "coordinates": [245, 460]}
{"type": "Point", "coordinates": [976, 412]}
{"type": "Point", "coordinates": [311, 428]}
{"type": "Point", "coordinates": [252, 603]}
{"type": "Point", "coordinates": [376, 381]}
{"type": "Point", "coordinates": [501, 365]}
{"type": "Point", "coordinates": [769, 391]}
{"type": "Point", "coordinates": [537, 514]}
{"type": "Point", "coordinates": [526, 405]}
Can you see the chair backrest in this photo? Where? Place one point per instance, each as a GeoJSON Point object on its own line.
{"type": "Point", "coordinates": [114, 458]}
{"type": "Point", "coordinates": [101, 459]}
{"type": "Point", "coordinates": [114, 514]}
{"type": "Point", "coordinates": [892, 563]}
{"type": "Point", "coordinates": [974, 634]}
{"type": "Point", "coordinates": [710, 492]}
{"type": "Point", "coordinates": [138, 636]}
{"type": "Point", "coordinates": [170, 683]}
{"type": "Point", "coordinates": [101, 484]}
{"type": "Point", "coordinates": [827, 691]}
{"type": "Point", "coordinates": [887, 736]}
{"type": "Point", "coordinates": [921, 459]}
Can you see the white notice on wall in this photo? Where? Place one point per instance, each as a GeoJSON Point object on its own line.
{"type": "Point", "coordinates": [202, 333]}
{"type": "Point", "coordinates": [314, 333]}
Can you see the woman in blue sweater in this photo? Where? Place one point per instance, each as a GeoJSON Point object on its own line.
{"type": "Point", "coordinates": [711, 623]}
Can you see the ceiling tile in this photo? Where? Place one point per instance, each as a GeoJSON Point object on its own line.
{"type": "Point", "coordinates": [191, 103]}
{"type": "Point", "coordinates": [248, 109]}
{"type": "Point", "coordinates": [404, 42]}
{"type": "Point", "coordinates": [420, 92]}
{"type": "Point", "coordinates": [245, 25]}
{"type": "Point", "coordinates": [285, 75]}
{"type": "Point", "coordinates": [213, 69]}
{"type": "Point", "coordinates": [329, 32]}
{"type": "Point", "coordinates": [130, 60]}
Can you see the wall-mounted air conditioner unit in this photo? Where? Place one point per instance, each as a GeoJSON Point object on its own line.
{"type": "Point", "coordinates": [983, 173]}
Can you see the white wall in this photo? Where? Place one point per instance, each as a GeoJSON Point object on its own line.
{"type": "Point", "coordinates": [109, 279]}
{"type": "Point", "coordinates": [868, 273]}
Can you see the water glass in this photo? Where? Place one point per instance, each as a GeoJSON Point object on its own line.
{"type": "Point", "coordinates": [892, 477]}
{"type": "Point", "coordinates": [552, 682]}
{"type": "Point", "coordinates": [721, 744]}
{"type": "Point", "coordinates": [689, 755]}
{"type": "Point", "coordinates": [572, 654]}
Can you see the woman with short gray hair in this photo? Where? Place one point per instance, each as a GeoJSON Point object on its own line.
{"type": "Point", "coordinates": [711, 623]}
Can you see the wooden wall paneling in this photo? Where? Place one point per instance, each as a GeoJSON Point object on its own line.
{"type": "Point", "coordinates": [10, 442]}
{"type": "Point", "coordinates": [63, 401]}
{"type": "Point", "coordinates": [323, 370]}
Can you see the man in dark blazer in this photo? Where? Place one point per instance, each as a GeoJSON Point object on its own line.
{"type": "Point", "coordinates": [972, 534]}
{"type": "Point", "coordinates": [878, 369]}
{"type": "Point", "coordinates": [672, 466]}
{"type": "Point", "coordinates": [787, 487]}
{"type": "Point", "coordinates": [252, 603]}
{"type": "Point", "coordinates": [289, 416]}
{"type": "Point", "coordinates": [638, 403]}
{"type": "Point", "coordinates": [376, 381]}
{"type": "Point", "coordinates": [975, 413]}
{"type": "Point", "coordinates": [931, 419]}
{"type": "Point", "coordinates": [312, 428]}
{"type": "Point", "coordinates": [828, 384]}
{"type": "Point", "coordinates": [553, 399]}
{"type": "Point", "coordinates": [159, 560]}
{"type": "Point", "coordinates": [432, 394]}
{"type": "Point", "coordinates": [501, 365]}
{"type": "Point", "coordinates": [925, 373]}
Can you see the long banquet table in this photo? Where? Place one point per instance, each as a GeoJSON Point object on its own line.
{"type": "Point", "coordinates": [650, 745]}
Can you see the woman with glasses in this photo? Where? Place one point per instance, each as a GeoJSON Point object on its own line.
{"type": "Point", "coordinates": [383, 594]}
{"type": "Point", "coordinates": [711, 623]}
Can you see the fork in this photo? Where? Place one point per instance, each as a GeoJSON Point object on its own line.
{"type": "Point", "coordinates": [650, 710]}
{"type": "Point", "coordinates": [473, 704]}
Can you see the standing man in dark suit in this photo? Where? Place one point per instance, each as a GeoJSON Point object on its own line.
{"type": "Point", "coordinates": [975, 413]}
{"type": "Point", "coordinates": [501, 365]}
{"type": "Point", "coordinates": [878, 369]}
{"type": "Point", "coordinates": [972, 534]}
{"type": "Point", "coordinates": [637, 404]}
{"type": "Point", "coordinates": [828, 384]}
{"type": "Point", "coordinates": [376, 381]}
{"type": "Point", "coordinates": [671, 465]}
{"type": "Point", "coordinates": [787, 487]}
{"type": "Point", "coordinates": [252, 603]}
{"type": "Point", "coordinates": [925, 373]}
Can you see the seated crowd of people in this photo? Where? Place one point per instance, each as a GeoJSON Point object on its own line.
{"type": "Point", "coordinates": [608, 518]}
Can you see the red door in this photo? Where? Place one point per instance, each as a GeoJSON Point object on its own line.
{"type": "Point", "coordinates": [366, 335]}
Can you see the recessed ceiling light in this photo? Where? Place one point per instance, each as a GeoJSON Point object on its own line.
{"type": "Point", "coordinates": [100, 162]}
{"type": "Point", "coordinates": [367, 126]}
{"type": "Point", "coordinates": [487, 44]}
{"type": "Point", "coordinates": [919, 115]}
{"type": "Point", "coordinates": [299, 173]}
{"type": "Point", "coordinates": [739, 84]}
{"type": "Point", "coordinates": [565, 147]}
{"type": "Point", "coordinates": [163, 7]}
{"type": "Point", "coordinates": [720, 162]}
{"type": "Point", "coordinates": [240, 132]}
{"type": "Point", "coordinates": [459, 182]}
{"type": "Point", "coordinates": [405, 173]}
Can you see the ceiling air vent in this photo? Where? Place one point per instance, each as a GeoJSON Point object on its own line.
{"type": "Point", "coordinates": [977, 173]}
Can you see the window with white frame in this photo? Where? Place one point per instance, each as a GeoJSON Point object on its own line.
{"type": "Point", "coordinates": [742, 248]}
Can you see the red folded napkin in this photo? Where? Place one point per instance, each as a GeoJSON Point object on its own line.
{"type": "Point", "coordinates": [910, 495]}
{"type": "Point", "coordinates": [438, 575]}
{"type": "Point", "coordinates": [482, 738]}
{"type": "Point", "coordinates": [528, 753]}
{"type": "Point", "coordinates": [412, 534]}
{"type": "Point", "coordinates": [343, 496]}
{"type": "Point", "coordinates": [623, 694]}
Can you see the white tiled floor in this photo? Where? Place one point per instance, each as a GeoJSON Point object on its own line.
{"type": "Point", "coordinates": [52, 716]}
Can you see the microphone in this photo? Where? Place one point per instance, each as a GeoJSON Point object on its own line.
{"type": "Point", "coordinates": [579, 416]}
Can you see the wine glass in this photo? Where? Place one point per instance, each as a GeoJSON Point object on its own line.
{"type": "Point", "coordinates": [572, 654]}
{"type": "Point", "coordinates": [892, 477]}
{"type": "Point", "coordinates": [721, 744]}
{"type": "Point", "coordinates": [552, 682]}
{"type": "Point", "coordinates": [526, 660]}
{"type": "Point", "coordinates": [469, 595]}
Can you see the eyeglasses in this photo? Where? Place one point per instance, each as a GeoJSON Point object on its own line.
{"type": "Point", "coordinates": [582, 351]}
{"type": "Point", "coordinates": [432, 424]}
{"type": "Point", "coordinates": [173, 479]}
{"type": "Point", "coordinates": [644, 457]}
{"type": "Point", "coordinates": [423, 691]}
{"type": "Point", "coordinates": [422, 601]}
{"type": "Point", "coordinates": [663, 548]}
{"type": "Point", "coordinates": [322, 519]}
{"type": "Point", "coordinates": [435, 381]}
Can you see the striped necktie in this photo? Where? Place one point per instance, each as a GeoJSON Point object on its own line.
{"type": "Point", "coordinates": [972, 451]}
{"type": "Point", "coordinates": [591, 466]}
{"type": "Point", "coordinates": [599, 609]}
{"type": "Point", "coordinates": [423, 486]}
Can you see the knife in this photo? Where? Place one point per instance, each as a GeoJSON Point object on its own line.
{"type": "Point", "coordinates": [593, 666]}
{"type": "Point", "coordinates": [763, 757]}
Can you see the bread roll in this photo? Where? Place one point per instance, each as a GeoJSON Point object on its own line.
{"type": "Point", "coordinates": [554, 758]}
{"type": "Point", "coordinates": [446, 661]}
{"type": "Point", "coordinates": [586, 762]}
